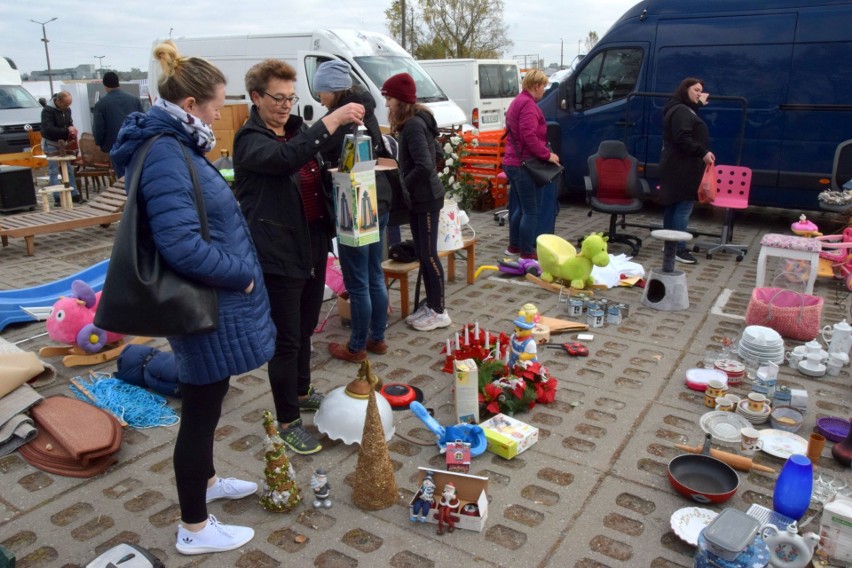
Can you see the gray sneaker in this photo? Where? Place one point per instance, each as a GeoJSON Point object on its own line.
{"type": "Point", "coordinates": [312, 402]}
{"type": "Point", "coordinates": [298, 439]}
{"type": "Point", "coordinates": [418, 313]}
{"type": "Point", "coordinates": [432, 320]}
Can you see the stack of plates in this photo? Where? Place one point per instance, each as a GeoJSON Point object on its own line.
{"type": "Point", "coordinates": [762, 343]}
{"type": "Point", "coordinates": [732, 368]}
{"type": "Point", "coordinates": [754, 417]}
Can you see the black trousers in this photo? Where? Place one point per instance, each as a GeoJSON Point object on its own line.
{"type": "Point", "coordinates": [296, 305]}
{"type": "Point", "coordinates": [201, 408]}
{"type": "Point", "coordinates": [424, 232]}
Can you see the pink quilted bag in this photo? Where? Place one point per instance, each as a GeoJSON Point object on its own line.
{"type": "Point", "coordinates": [792, 314]}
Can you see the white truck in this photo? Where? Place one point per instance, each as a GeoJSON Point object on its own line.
{"type": "Point", "coordinates": [374, 57]}
{"type": "Point", "coordinates": [483, 88]}
{"type": "Point", "coordinates": [19, 111]}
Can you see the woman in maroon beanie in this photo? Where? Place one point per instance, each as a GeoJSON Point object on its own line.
{"type": "Point", "coordinates": [417, 129]}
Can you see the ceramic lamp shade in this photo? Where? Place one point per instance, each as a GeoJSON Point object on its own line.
{"type": "Point", "coordinates": [343, 413]}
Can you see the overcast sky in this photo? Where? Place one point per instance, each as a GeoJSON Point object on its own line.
{"type": "Point", "coordinates": [123, 32]}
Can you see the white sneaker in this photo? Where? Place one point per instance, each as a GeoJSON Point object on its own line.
{"type": "Point", "coordinates": [432, 320]}
{"type": "Point", "coordinates": [418, 313]}
{"type": "Point", "coordinates": [215, 537]}
{"type": "Point", "coordinates": [231, 488]}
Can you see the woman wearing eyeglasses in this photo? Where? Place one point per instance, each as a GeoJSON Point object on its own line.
{"type": "Point", "coordinates": [285, 194]}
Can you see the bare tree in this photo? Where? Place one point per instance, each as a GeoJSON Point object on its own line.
{"type": "Point", "coordinates": [590, 40]}
{"type": "Point", "coordinates": [452, 28]}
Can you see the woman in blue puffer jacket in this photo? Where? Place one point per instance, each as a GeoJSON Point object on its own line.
{"type": "Point", "coordinates": [192, 91]}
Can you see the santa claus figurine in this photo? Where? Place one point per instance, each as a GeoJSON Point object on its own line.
{"type": "Point", "coordinates": [448, 504]}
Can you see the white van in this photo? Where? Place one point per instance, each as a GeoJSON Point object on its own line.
{"type": "Point", "coordinates": [374, 57]}
{"type": "Point", "coordinates": [483, 88]}
{"type": "Point", "coordinates": [19, 111]}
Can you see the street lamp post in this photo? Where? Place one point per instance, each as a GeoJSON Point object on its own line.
{"type": "Point", "coordinates": [100, 59]}
{"type": "Point", "coordinates": [46, 51]}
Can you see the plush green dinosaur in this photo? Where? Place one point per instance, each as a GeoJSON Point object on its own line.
{"type": "Point", "coordinates": [559, 259]}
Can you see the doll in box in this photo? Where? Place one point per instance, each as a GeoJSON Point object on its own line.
{"type": "Point", "coordinates": [424, 500]}
{"type": "Point", "coordinates": [448, 505]}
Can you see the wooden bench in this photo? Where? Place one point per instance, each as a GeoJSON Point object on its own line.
{"type": "Point", "coordinates": [399, 271]}
{"type": "Point", "coordinates": [103, 210]}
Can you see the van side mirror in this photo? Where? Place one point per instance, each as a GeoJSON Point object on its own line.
{"type": "Point", "coordinates": [309, 112]}
{"type": "Point", "coordinates": [564, 95]}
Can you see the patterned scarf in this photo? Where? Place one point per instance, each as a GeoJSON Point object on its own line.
{"type": "Point", "coordinates": [197, 130]}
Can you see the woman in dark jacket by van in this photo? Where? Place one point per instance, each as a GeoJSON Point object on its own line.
{"type": "Point", "coordinates": [417, 130]}
{"type": "Point", "coordinates": [685, 154]}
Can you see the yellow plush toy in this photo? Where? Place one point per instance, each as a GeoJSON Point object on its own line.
{"type": "Point", "coordinates": [560, 260]}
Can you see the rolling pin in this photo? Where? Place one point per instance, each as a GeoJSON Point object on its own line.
{"type": "Point", "coordinates": [741, 463]}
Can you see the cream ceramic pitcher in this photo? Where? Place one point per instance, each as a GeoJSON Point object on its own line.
{"type": "Point", "coordinates": [838, 337]}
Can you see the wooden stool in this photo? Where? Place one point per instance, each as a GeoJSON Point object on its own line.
{"type": "Point", "coordinates": [399, 271]}
{"type": "Point", "coordinates": [789, 247]}
{"type": "Point", "coordinates": [64, 189]}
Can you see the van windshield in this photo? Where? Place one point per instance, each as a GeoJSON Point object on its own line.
{"type": "Point", "coordinates": [14, 96]}
{"type": "Point", "coordinates": [380, 67]}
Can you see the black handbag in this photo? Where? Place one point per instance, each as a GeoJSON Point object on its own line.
{"type": "Point", "coordinates": [542, 172]}
{"type": "Point", "coordinates": [142, 295]}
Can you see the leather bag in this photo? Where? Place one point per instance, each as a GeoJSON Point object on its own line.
{"type": "Point", "coordinates": [542, 172]}
{"type": "Point", "coordinates": [142, 295]}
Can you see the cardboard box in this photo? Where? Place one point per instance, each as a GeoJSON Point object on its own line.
{"type": "Point", "coordinates": [470, 490]}
{"type": "Point", "coordinates": [508, 437]}
{"type": "Point", "coordinates": [458, 457]}
{"type": "Point", "coordinates": [355, 204]}
{"type": "Point", "coordinates": [344, 308]}
{"type": "Point", "coordinates": [466, 392]}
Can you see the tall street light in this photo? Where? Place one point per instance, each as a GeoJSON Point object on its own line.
{"type": "Point", "coordinates": [46, 52]}
{"type": "Point", "coordinates": [100, 59]}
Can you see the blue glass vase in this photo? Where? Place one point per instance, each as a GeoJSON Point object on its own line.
{"type": "Point", "coordinates": [793, 489]}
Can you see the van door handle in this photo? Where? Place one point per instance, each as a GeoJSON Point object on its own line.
{"type": "Point", "coordinates": [625, 123]}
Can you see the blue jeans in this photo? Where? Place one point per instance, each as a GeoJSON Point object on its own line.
{"type": "Point", "coordinates": [676, 218]}
{"type": "Point", "coordinates": [368, 296]}
{"type": "Point", "coordinates": [524, 217]}
{"type": "Point", "coordinates": [53, 171]}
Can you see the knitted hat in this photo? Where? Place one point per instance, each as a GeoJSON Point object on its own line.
{"type": "Point", "coordinates": [110, 80]}
{"type": "Point", "coordinates": [401, 86]}
{"type": "Point", "coordinates": [332, 76]}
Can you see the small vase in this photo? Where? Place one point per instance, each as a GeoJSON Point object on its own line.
{"type": "Point", "coordinates": [842, 451]}
{"type": "Point", "coordinates": [793, 488]}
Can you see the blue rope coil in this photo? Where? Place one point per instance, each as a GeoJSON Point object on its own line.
{"type": "Point", "coordinates": [136, 406]}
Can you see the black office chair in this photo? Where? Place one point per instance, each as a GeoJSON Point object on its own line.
{"type": "Point", "coordinates": [613, 186]}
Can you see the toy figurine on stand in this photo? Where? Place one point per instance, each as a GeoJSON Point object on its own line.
{"type": "Point", "coordinates": [424, 500]}
{"type": "Point", "coordinates": [446, 507]}
{"type": "Point", "coordinates": [321, 488]}
{"type": "Point", "coordinates": [522, 345]}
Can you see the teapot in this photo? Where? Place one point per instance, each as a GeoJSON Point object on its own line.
{"type": "Point", "coordinates": [788, 549]}
{"type": "Point", "coordinates": [838, 337]}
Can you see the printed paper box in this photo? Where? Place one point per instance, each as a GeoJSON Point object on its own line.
{"type": "Point", "coordinates": [508, 437]}
{"type": "Point", "coordinates": [466, 391]}
{"type": "Point", "coordinates": [355, 204]}
{"type": "Point", "coordinates": [472, 493]}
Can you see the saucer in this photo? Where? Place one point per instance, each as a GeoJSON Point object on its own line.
{"type": "Point", "coordinates": [806, 369]}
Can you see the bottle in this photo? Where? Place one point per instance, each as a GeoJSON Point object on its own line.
{"type": "Point", "coordinates": [794, 487]}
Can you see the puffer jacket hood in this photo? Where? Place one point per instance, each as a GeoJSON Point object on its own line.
{"type": "Point", "coordinates": [137, 128]}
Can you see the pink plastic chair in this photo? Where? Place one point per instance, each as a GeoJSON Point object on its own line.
{"type": "Point", "coordinates": [734, 184]}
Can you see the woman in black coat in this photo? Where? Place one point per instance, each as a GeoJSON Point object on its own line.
{"type": "Point", "coordinates": [686, 142]}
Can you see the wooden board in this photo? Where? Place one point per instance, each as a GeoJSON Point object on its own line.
{"type": "Point", "coordinates": [560, 325]}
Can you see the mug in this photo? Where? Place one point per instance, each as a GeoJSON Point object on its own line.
{"type": "Point", "coordinates": [795, 357]}
{"type": "Point", "coordinates": [709, 400]}
{"type": "Point", "coordinates": [750, 441]}
{"type": "Point", "coordinates": [724, 404]}
{"type": "Point", "coordinates": [756, 401]}
{"type": "Point", "coordinates": [716, 388]}
{"type": "Point", "coordinates": [735, 400]}
{"type": "Point", "coordinates": [833, 367]}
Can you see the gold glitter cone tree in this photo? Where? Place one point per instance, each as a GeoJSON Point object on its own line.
{"type": "Point", "coordinates": [280, 491]}
{"type": "Point", "coordinates": [375, 485]}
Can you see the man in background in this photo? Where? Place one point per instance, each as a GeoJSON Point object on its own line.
{"type": "Point", "coordinates": [58, 127]}
{"type": "Point", "coordinates": [111, 110]}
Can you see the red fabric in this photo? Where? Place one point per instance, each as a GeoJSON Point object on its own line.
{"type": "Point", "coordinates": [612, 179]}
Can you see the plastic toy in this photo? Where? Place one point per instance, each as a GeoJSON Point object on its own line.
{"type": "Point", "coordinates": [470, 433]}
{"type": "Point", "coordinates": [519, 267]}
{"type": "Point", "coordinates": [559, 259]}
{"type": "Point", "coordinates": [522, 345]}
{"type": "Point", "coordinates": [321, 488]}
{"type": "Point", "coordinates": [424, 500]}
{"type": "Point", "coordinates": [574, 349]}
{"type": "Point", "coordinates": [836, 257]}
{"type": "Point", "coordinates": [805, 228]}
{"type": "Point", "coordinates": [70, 320]}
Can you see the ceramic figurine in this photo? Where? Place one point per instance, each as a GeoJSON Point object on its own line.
{"type": "Point", "coordinates": [789, 549]}
{"type": "Point", "coordinates": [446, 507]}
{"type": "Point", "coordinates": [522, 346]}
{"type": "Point", "coordinates": [805, 228]}
{"type": "Point", "coordinates": [424, 500]}
{"type": "Point", "coordinates": [322, 489]}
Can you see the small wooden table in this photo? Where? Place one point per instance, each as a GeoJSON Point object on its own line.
{"type": "Point", "coordinates": [64, 190]}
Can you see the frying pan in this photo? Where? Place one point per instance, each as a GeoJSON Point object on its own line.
{"type": "Point", "coordinates": [703, 478]}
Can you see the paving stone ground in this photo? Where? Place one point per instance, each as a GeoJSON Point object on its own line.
{"type": "Point", "coordinates": [592, 492]}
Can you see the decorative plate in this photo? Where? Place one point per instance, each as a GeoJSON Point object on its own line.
{"type": "Point", "coordinates": [723, 426]}
{"type": "Point", "coordinates": [782, 444]}
{"type": "Point", "coordinates": [833, 428]}
{"type": "Point", "coordinates": [730, 366]}
{"type": "Point", "coordinates": [687, 523]}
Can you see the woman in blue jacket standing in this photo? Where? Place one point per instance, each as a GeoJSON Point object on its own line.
{"type": "Point", "coordinates": [192, 91]}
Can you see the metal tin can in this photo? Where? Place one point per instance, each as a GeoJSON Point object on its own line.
{"type": "Point", "coordinates": [575, 307]}
{"type": "Point", "coordinates": [595, 317]}
{"type": "Point", "coordinates": [613, 315]}
{"type": "Point", "coordinates": [625, 310]}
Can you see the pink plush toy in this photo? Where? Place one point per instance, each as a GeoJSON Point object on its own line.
{"type": "Point", "coordinates": [71, 318]}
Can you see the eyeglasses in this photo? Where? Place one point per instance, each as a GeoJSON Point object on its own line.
{"type": "Point", "coordinates": [279, 101]}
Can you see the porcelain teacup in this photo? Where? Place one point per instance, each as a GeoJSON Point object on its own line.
{"type": "Point", "coordinates": [813, 346]}
{"type": "Point", "coordinates": [841, 358]}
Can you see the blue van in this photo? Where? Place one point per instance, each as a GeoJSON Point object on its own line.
{"type": "Point", "coordinates": [779, 79]}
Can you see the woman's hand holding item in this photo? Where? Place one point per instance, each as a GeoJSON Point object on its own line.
{"type": "Point", "coordinates": [553, 158]}
{"type": "Point", "coordinates": [347, 114]}
{"type": "Point", "coordinates": [709, 158]}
